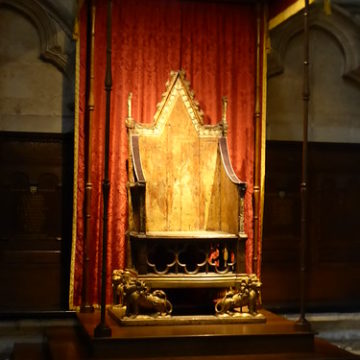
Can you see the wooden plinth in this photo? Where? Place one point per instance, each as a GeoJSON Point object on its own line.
{"type": "Point", "coordinates": [277, 335]}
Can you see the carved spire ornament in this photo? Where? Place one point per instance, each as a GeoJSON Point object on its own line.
{"type": "Point", "coordinates": [223, 118]}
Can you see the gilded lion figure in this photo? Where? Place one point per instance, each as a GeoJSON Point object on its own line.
{"type": "Point", "coordinates": [246, 295]}
{"type": "Point", "coordinates": [138, 299]}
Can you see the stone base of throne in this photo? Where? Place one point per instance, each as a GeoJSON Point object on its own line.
{"type": "Point", "coordinates": [117, 313]}
{"type": "Point", "coordinates": [138, 300]}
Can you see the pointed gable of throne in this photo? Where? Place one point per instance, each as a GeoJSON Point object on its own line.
{"type": "Point", "coordinates": [180, 98]}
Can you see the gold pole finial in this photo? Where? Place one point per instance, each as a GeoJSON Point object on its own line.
{"type": "Point", "coordinates": [129, 119]}
{"type": "Point", "coordinates": [223, 118]}
{"type": "Point", "coordinates": [129, 105]}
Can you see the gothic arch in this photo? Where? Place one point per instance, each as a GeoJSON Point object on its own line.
{"type": "Point", "coordinates": [339, 25]}
{"type": "Point", "coordinates": [48, 30]}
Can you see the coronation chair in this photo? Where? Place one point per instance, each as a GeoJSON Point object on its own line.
{"type": "Point", "coordinates": [186, 204]}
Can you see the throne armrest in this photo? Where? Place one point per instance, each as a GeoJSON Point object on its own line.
{"type": "Point", "coordinates": [240, 185]}
{"type": "Point", "coordinates": [137, 188]}
{"type": "Point", "coordinates": [136, 160]}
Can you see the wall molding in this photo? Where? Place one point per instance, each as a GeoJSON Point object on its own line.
{"type": "Point", "coordinates": [340, 25]}
{"type": "Point", "coordinates": [48, 29]}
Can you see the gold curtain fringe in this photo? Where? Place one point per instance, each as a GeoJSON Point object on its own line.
{"type": "Point", "coordinates": [76, 165]}
{"type": "Point", "coordinates": [327, 7]}
{"type": "Point", "coordinates": [266, 50]}
{"type": "Point", "coordinates": [76, 28]}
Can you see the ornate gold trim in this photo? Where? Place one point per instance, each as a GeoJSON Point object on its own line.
{"type": "Point", "coordinates": [177, 87]}
{"type": "Point", "coordinates": [75, 178]}
{"type": "Point", "coordinates": [287, 13]}
{"type": "Point", "coordinates": [266, 49]}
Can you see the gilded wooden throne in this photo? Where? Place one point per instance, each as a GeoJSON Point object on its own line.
{"type": "Point", "coordinates": [186, 204]}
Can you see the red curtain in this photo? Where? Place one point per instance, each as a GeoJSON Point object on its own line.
{"type": "Point", "coordinates": [214, 42]}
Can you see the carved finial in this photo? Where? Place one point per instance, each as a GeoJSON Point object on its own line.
{"type": "Point", "coordinates": [129, 120]}
{"type": "Point", "coordinates": [223, 118]}
{"type": "Point", "coordinates": [129, 105]}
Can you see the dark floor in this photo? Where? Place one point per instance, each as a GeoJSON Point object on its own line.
{"type": "Point", "coordinates": [340, 329]}
{"type": "Point", "coordinates": [33, 339]}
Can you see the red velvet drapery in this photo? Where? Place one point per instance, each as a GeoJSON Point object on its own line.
{"type": "Point", "coordinates": [214, 42]}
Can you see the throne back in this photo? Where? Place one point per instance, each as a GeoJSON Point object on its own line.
{"type": "Point", "coordinates": [186, 204]}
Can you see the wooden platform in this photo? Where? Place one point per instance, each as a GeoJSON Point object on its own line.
{"type": "Point", "coordinates": [74, 341]}
{"type": "Point", "coordinates": [276, 336]}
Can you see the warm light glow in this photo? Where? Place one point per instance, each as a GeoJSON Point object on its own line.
{"type": "Point", "coordinates": [288, 12]}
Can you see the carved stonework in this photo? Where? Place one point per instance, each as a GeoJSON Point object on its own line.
{"type": "Point", "coordinates": [340, 25]}
{"type": "Point", "coordinates": [48, 28]}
